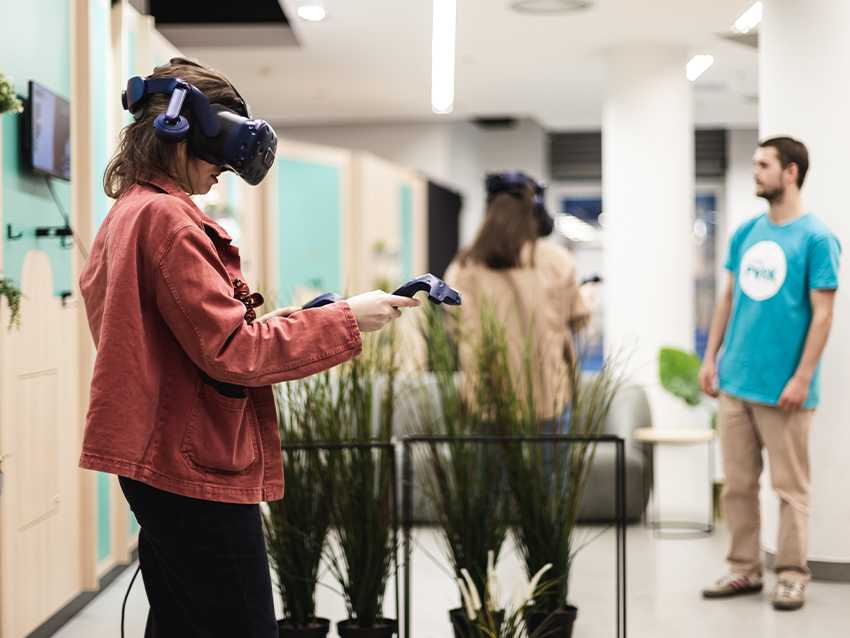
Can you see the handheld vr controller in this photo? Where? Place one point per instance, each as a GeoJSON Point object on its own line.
{"type": "Point", "coordinates": [438, 292]}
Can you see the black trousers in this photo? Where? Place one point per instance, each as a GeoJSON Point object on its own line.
{"type": "Point", "coordinates": [204, 566]}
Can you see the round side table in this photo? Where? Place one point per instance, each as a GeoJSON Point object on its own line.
{"type": "Point", "coordinates": [678, 437]}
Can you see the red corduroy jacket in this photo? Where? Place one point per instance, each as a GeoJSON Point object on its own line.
{"type": "Point", "coordinates": [180, 396]}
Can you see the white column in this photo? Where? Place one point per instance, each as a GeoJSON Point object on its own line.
{"type": "Point", "coordinates": [804, 54]}
{"type": "Point", "coordinates": [648, 202]}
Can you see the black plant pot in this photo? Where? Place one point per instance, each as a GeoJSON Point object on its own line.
{"type": "Point", "coordinates": [383, 628]}
{"type": "Point", "coordinates": [558, 624]}
{"type": "Point", "coordinates": [315, 628]}
{"type": "Point", "coordinates": [465, 628]}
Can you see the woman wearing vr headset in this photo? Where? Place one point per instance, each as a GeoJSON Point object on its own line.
{"type": "Point", "coordinates": [530, 285]}
{"type": "Point", "coordinates": [181, 405]}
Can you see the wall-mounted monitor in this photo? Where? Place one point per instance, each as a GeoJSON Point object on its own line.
{"type": "Point", "coordinates": [46, 133]}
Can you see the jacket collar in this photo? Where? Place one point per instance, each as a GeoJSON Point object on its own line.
{"type": "Point", "coordinates": [167, 185]}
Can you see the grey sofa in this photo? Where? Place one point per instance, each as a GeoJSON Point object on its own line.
{"type": "Point", "coordinates": [629, 411]}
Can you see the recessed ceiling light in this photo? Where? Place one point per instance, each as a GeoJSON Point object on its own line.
{"type": "Point", "coordinates": [698, 65]}
{"type": "Point", "coordinates": [750, 19]}
{"type": "Point", "coordinates": [312, 12]}
{"type": "Point", "coordinates": [550, 7]}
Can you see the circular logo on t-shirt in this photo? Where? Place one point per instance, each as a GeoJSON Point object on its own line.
{"type": "Point", "coordinates": [763, 270]}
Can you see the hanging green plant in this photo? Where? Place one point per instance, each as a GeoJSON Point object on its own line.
{"type": "Point", "coordinates": [8, 98]}
{"type": "Point", "coordinates": [13, 296]}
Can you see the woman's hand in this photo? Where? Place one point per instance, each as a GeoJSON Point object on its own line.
{"type": "Point", "coordinates": [374, 310]}
{"type": "Point", "coordinates": [280, 312]}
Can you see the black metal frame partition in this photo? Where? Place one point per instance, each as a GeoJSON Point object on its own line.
{"type": "Point", "coordinates": [409, 442]}
{"type": "Point", "coordinates": [388, 448]}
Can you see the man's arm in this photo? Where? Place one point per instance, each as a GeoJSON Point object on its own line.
{"type": "Point", "coordinates": [797, 389]}
{"type": "Point", "coordinates": [708, 372]}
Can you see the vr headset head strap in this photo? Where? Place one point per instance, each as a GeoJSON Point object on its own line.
{"type": "Point", "coordinates": [138, 89]}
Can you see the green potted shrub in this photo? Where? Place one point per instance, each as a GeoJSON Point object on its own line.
{"type": "Point", "coordinates": [361, 502]}
{"type": "Point", "coordinates": [9, 102]}
{"type": "Point", "coordinates": [297, 527]}
{"type": "Point", "coordinates": [13, 296]}
{"type": "Point", "coordinates": [464, 480]}
{"type": "Point", "coordinates": [547, 494]}
{"type": "Point", "coordinates": [8, 98]}
{"type": "Point", "coordinates": [678, 372]}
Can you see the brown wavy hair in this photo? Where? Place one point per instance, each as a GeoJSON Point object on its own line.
{"type": "Point", "coordinates": [509, 225]}
{"type": "Point", "coordinates": [141, 154]}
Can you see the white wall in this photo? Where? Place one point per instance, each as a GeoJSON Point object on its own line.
{"type": "Point", "coordinates": [454, 154]}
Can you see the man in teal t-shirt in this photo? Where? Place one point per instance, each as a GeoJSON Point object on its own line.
{"type": "Point", "coordinates": [772, 324]}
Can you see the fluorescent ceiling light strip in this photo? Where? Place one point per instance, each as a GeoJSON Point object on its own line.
{"type": "Point", "coordinates": [750, 19]}
{"type": "Point", "coordinates": [443, 56]}
{"type": "Point", "coordinates": [698, 65]}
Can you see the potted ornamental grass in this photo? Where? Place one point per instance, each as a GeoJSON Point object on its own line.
{"type": "Point", "coordinates": [548, 482]}
{"type": "Point", "coordinates": [463, 479]}
{"type": "Point", "coordinates": [296, 528]}
{"type": "Point", "coordinates": [362, 501]}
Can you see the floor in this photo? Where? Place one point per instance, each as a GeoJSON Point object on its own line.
{"type": "Point", "coordinates": [664, 579]}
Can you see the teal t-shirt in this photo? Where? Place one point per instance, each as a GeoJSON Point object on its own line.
{"type": "Point", "coordinates": [775, 268]}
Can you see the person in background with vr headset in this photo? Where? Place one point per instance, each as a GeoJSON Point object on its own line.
{"type": "Point", "coordinates": [530, 286]}
{"type": "Point", "coordinates": [181, 405]}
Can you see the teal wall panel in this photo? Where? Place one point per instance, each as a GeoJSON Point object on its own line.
{"type": "Point", "coordinates": [27, 204]}
{"type": "Point", "coordinates": [104, 537]}
{"type": "Point", "coordinates": [134, 525]}
{"type": "Point", "coordinates": [406, 228]}
{"type": "Point", "coordinates": [25, 27]}
{"type": "Point", "coordinates": [309, 227]}
{"type": "Point", "coordinates": [35, 43]}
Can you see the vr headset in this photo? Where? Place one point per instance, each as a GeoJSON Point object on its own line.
{"type": "Point", "coordinates": [512, 183]}
{"type": "Point", "coordinates": [218, 135]}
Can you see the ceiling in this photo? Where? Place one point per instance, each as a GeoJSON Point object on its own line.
{"type": "Point", "coordinates": [371, 61]}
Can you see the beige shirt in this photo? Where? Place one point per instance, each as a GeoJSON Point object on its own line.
{"type": "Point", "coordinates": [537, 304]}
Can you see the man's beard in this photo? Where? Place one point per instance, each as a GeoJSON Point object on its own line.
{"type": "Point", "coordinates": [770, 194]}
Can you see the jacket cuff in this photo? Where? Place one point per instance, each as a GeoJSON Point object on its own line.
{"type": "Point", "coordinates": [351, 323]}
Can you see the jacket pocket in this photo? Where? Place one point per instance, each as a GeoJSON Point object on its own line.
{"type": "Point", "coordinates": [221, 435]}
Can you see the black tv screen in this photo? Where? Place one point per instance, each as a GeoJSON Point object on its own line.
{"type": "Point", "coordinates": [47, 134]}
